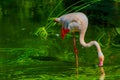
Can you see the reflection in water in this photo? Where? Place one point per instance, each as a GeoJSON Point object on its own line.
{"type": "Point", "coordinates": [102, 73]}
{"type": "Point", "coordinates": [102, 76]}
{"type": "Point", "coordinates": [77, 73]}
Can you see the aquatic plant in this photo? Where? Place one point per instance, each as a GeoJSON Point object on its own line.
{"type": "Point", "coordinates": [42, 31]}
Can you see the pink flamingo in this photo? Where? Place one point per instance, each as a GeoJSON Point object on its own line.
{"type": "Point", "coordinates": [78, 22]}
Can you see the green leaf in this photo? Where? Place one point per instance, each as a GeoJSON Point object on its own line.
{"type": "Point", "coordinates": [118, 30]}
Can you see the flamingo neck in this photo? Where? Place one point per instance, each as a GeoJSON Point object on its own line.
{"type": "Point", "coordinates": [91, 43]}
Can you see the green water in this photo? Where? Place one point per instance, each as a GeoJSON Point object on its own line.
{"type": "Point", "coordinates": [25, 56]}
{"type": "Point", "coordinates": [27, 68]}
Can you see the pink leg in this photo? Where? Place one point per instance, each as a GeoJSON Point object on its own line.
{"type": "Point", "coordinates": [75, 50]}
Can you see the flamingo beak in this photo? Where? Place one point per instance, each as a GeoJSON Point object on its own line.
{"type": "Point", "coordinates": [64, 32]}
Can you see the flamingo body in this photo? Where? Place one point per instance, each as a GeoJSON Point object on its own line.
{"type": "Point", "coordinates": [78, 22]}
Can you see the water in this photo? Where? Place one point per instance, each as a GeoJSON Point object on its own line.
{"type": "Point", "coordinates": [13, 68]}
{"type": "Point", "coordinates": [53, 72]}
{"type": "Point", "coordinates": [17, 40]}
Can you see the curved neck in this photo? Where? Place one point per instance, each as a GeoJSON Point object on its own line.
{"type": "Point", "coordinates": [83, 43]}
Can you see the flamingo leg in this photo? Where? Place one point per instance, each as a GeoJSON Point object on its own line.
{"type": "Point", "coordinates": [75, 50]}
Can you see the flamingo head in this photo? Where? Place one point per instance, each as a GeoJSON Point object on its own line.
{"type": "Point", "coordinates": [101, 58]}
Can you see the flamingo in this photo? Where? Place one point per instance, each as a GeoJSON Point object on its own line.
{"type": "Point", "coordinates": [78, 22]}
